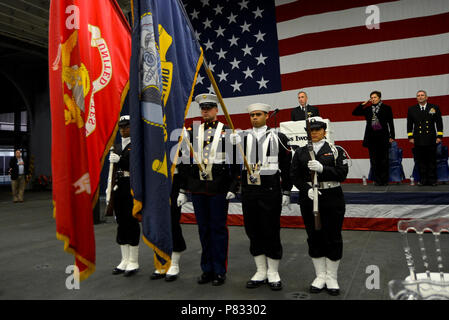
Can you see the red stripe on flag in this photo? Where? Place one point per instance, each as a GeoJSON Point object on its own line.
{"type": "Point", "coordinates": [394, 30]}
{"type": "Point", "coordinates": [349, 223]}
{"type": "Point", "coordinates": [356, 151]}
{"type": "Point", "coordinates": [299, 9]}
{"type": "Point", "coordinates": [333, 112]}
{"type": "Point", "coordinates": [343, 111]}
{"type": "Point", "coordinates": [374, 71]}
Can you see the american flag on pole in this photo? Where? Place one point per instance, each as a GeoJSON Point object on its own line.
{"type": "Point", "coordinates": [337, 51]}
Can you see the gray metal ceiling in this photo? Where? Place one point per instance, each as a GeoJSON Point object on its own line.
{"type": "Point", "coordinates": [23, 48]}
{"type": "Point", "coordinates": [27, 21]}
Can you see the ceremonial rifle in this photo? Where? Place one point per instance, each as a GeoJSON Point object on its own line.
{"type": "Point", "coordinates": [314, 174]}
{"type": "Point", "coordinates": [111, 185]}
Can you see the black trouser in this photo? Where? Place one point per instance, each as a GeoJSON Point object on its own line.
{"type": "Point", "coordinates": [328, 241]}
{"type": "Point", "coordinates": [128, 229]}
{"type": "Point", "coordinates": [179, 243]}
{"type": "Point", "coordinates": [379, 159]}
{"type": "Point", "coordinates": [261, 215]}
{"type": "Point", "coordinates": [426, 160]}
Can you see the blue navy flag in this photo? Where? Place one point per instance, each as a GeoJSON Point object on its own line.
{"type": "Point", "coordinates": [164, 65]}
{"type": "Point", "coordinates": [240, 45]}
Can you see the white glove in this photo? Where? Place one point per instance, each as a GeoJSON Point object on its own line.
{"type": "Point", "coordinates": [310, 193]}
{"type": "Point", "coordinates": [182, 198]}
{"type": "Point", "coordinates": [235, 138]}
{"type": "Point", "coordinates": [286, 201]}
{"type": "Point", "coordinates": [315, 165]}
{"type": "Point", "coordinates": [114, 157]}
{"type": "Point", "coordinates": [108, 195]}
{"type": "Point", "coordinates": [230, 196]}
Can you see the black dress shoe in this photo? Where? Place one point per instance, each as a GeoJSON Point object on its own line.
{"type": "Point", "coordinates": [205, 278]}
{"type": "Point", "coordinates": [275, 285]}
{"type": "Point", "coordinates": [157, 276]}
{"type": "Point", "coordinates": [171, 277]}
{"type": "Point", "coordinates": [313, 289]}
{"type": "Point", "coordinates": [130, 273]}
{"type": "Point", "coordinates": [219, 279]}
{"type": "Point", "coordinates": [117, 271]}
{"type": "Point", "coordinates": [333, 292]}
{"type": "Point", "coordinates": [251, 284]}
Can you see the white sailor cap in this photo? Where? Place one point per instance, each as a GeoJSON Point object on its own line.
{"type": "Point", "coordinates": [124, 121]}
{"type": "Point", "coordinates": [259, 106]}
{"type": "Point", "coordinates": [206, 100]}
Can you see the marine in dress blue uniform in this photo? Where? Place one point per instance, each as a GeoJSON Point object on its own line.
{"type": "Point", "coordinates": [210, 188]}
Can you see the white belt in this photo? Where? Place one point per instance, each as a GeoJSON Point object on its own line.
{"type": "Point", "coordinates": [268, 166]}
{"type": "Point", "coordinates": [326, 184]}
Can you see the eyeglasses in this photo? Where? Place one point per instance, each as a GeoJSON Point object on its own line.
{"type": "Point", "coordinates": [256, 114]}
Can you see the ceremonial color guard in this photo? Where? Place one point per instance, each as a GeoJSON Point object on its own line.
{"type": "Point", "coordinates": [264, 192]}
{"type": "Point", "coordinates": [128, 229]}
{"type": "Point", "coordinates": [211, 187]}
{"type": "Point", "coordinates": [326, 244]}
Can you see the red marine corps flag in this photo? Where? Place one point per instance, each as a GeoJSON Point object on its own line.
{"type": "Point", "coordinates": [88, 54]}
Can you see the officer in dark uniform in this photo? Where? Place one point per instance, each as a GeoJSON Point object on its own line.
{"type": "Point", "coordinates": [264, 194]}
{"type": "Point", "coordinates": [422, 119]}
{"type": "Point", "coordinates": [298, 113]}
{"type": "Point", "coordinates": [325, 245]}
{"type": "Point", "coordinates": [211, 187]}
{"type": "Point", "coordinates": [128, 229]}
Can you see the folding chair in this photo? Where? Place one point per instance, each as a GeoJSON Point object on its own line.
{"type": "Point", "coordinates": [425, 285]}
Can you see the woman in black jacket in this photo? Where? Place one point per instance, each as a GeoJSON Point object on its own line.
{"type": "Point", "coordinates": [379, 133]}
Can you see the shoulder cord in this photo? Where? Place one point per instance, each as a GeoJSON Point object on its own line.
{"type": "Point", "coordinates": [335, 152]}
{"type": "Point", "coordinates": [279, 139]}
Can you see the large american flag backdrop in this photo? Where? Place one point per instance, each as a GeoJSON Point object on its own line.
{"type": "Point", "coordinates": [336, 51]}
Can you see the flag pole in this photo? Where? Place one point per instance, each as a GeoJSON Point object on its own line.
{"type": "Point", "coordinates": [225, 111]}
{"type": "Point", "coordinates": [217, 92]}
{"type": "Point", "coordinates": [200, 166]}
